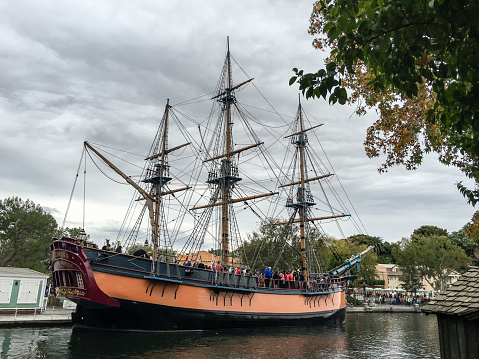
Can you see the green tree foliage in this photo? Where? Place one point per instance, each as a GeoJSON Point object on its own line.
{"type": "Point", "coordinates": [215, 252]}
{"type": "Point", "coordinates": [69, 232]}
{"type": "Point", "coordinates": [26, 231]}
{"type": "Point", "coordinates": [133, 248]}
{"type": "Point", "coordinates": [279, 247]}
{"type": "Point", "coordinates": [266, 247]}
{"type": "Point", "coordinates": [382, 249]}
{"type": "Point", "coordinates": [417, 63]}
{"type": "Point", "coordinates": [367, 271]}
{"type": "Point", "coordinates": [387, 256]}
{"type": "Point", "coordinates": [462, 239]}
{"type": "Point", "coordinates": [411, 279]}
{"type": "Point", "coordinates": [262, 247]}
{"type": "Point", "coordinates": [472, 228]}
{"type": "Point", "coordinates": [426, 231]}
{"type": "Point", "coordinates": [432, 257]}
{"type": "Point", "coordinates": [375, 242]}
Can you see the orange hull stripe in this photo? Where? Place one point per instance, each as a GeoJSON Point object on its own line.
{"type": "Point", "coordinates": [191, 297]}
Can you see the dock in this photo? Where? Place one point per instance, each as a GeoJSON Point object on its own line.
{"type": "Point", "coordinates": [51, 316]}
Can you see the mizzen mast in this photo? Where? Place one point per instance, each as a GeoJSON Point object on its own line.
{"type": "Point", "coordinates": [304, 198]}
{"type": "Point", "coordinates": [301, 198]}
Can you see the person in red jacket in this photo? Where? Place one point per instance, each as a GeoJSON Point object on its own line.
{"type": "Point", "coordinates": [289, 279]}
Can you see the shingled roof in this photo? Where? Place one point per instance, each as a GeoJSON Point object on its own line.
{"type": "Point", "coordinates": [461, 298]}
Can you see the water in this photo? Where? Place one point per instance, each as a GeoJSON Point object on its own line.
{"type": "Point", "coordinates": [373, 335]}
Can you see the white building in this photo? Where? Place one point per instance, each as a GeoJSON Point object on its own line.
{"type": "Point", "coordinates": [22, 288]}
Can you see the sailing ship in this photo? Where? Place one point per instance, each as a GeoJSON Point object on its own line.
{"type": "Point", "coordinates": [164, 291]}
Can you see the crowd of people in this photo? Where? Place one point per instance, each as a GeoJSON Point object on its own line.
{"type": "Point", "coordinates": [281, 279]}
{"type": "Point", "coordinates": [397, 298]}
{"type": "Point", "coordinates": [268, 279]}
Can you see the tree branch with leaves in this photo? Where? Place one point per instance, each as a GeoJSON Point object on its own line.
{"type": "Point", "coordinates": [417, 64]}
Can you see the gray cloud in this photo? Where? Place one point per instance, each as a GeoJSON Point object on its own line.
{"type": "Point", "coordinates": [102, 71]}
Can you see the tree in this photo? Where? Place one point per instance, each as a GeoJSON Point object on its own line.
{"type": "Point", "coordinates": [416, 62]}
{"type": "Point", "coordinates": [472, 228]}
{"type": "Point", "coordinates": [69, 232]}
{"type": "Point", "coordinates": [382, 249]}
{"type": "Point", "coordinates": [279, 247]}
{"type": "Point", "coordinates": [462, 239]}
{"type": "Point", "coordinates": [25, 234]}
{"type": "Point", "coordinates": [432, 257]}
{"type": "Point", "coordinates": [411, 279]}
{"type": "Point", "coordinates": [133, 248]}
{"type": "Point", "coordinates": [387, 256]}
{"type": "Point", "coordinates": [263, 245]}
{"type": "Point", "coordinates": [376, 242]}
{"type": "Point", "coordinates": [215, 252]}
{"type": "Point", "coordinates": [426, 231]}
{"type": "Point", "coordinates": [367, 271]}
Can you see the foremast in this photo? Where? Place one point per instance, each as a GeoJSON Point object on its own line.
{"type": "Point", "coordinates": [157, 178]}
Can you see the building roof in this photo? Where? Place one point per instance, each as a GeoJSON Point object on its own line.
{"type": "Point", "coordinates": [390, 269]}
{"type": "Point", "coordinates": [19, 272]}
{"type": "Point", "coordinates": [461, 298]}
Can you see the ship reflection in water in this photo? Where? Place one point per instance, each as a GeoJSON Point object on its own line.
{"type": "Point", "coordinates": [362, 336]}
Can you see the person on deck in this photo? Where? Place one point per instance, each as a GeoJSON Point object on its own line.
{"type": "Point", "coordinates": [289, 279]}
{"type": "Point", "coordinates": [267, 276]}
{"type": "Point", "coordinates": [276, 278]}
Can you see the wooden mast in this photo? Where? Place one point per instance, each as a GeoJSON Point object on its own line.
{"type": "Point", "coordinates": [162, 168]}
{"type": "Point", "coordinates": [225, 174]}
{"type": "Point", "coordinates": [301, 194]}
{"type": "Point", "coordinates": [226, 164]}
{"type": "Point", "coordinates": [159, 176]}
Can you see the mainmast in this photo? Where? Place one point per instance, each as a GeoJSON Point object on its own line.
{"type": "Point", "coordinates": [226, 165]}
{"type": "Point", "coordinates": [224, 174]}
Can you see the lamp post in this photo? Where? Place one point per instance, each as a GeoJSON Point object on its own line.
{"type": "Point", "coordinates": [364, 291]}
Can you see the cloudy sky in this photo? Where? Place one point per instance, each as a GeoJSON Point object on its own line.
{"type": "Point", "coordinates": [102, 70]}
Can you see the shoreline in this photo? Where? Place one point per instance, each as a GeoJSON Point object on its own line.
{"type": "Point", "coordinates": [385, 309]}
